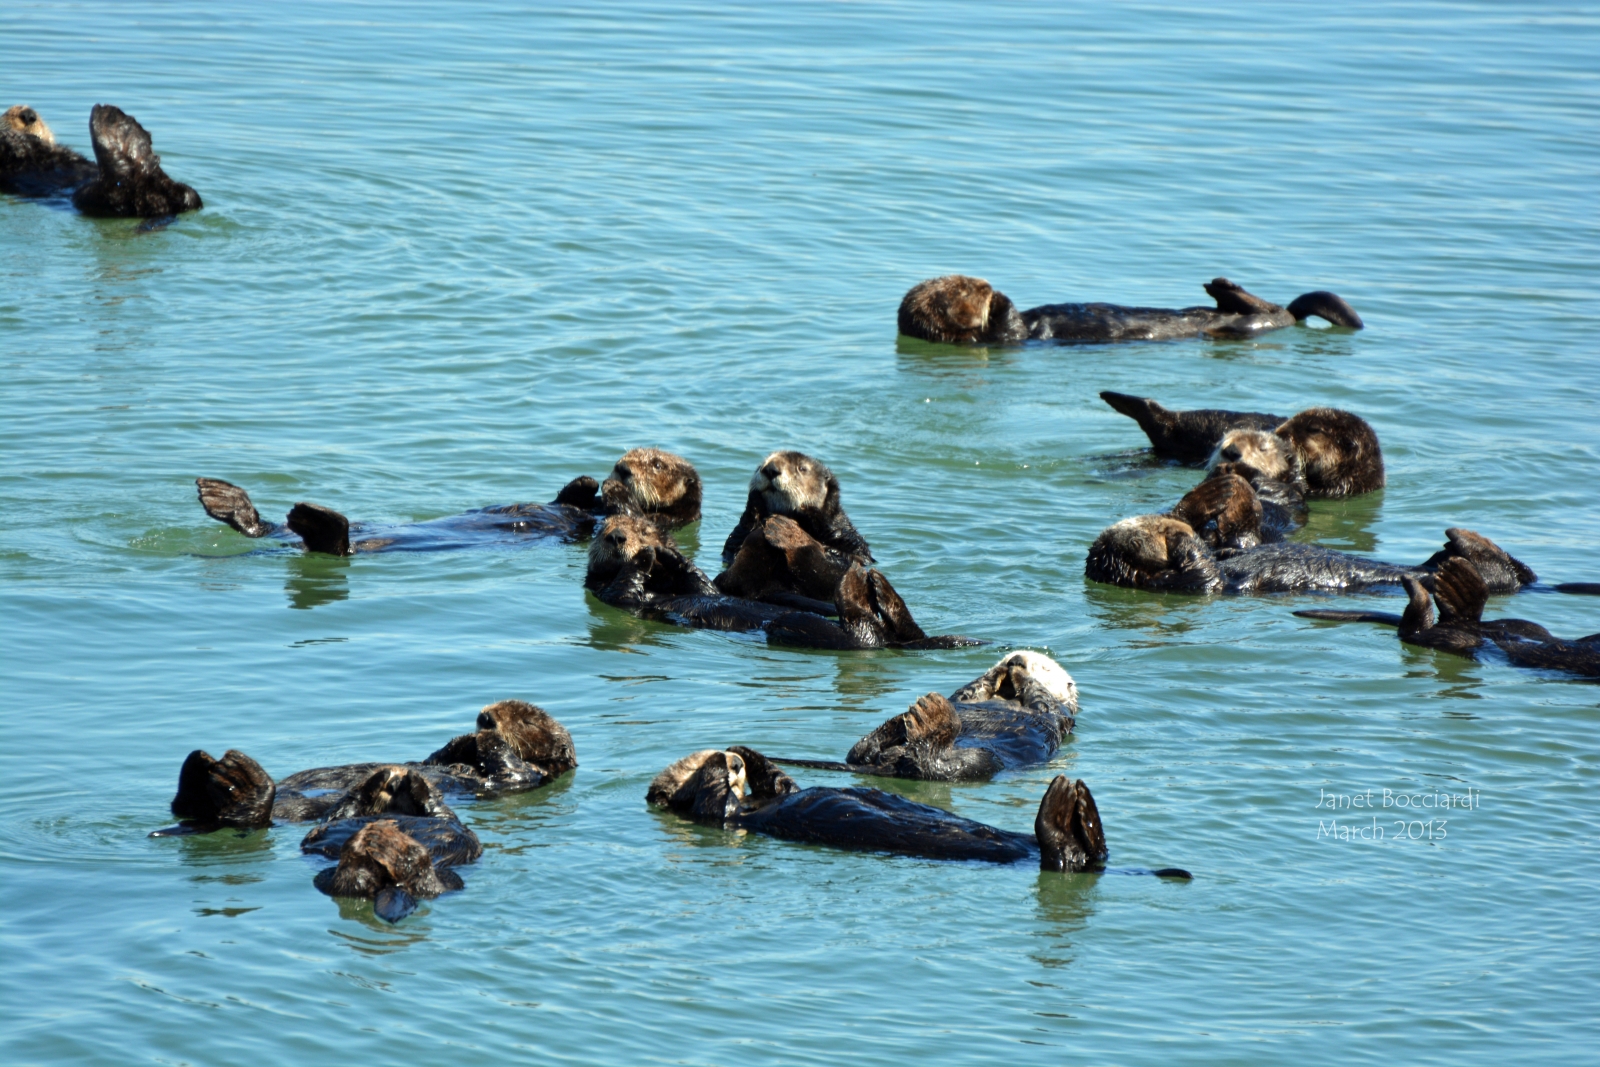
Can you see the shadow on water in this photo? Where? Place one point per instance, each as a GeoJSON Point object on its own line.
{"type": "Point", "coordinates": [314, 578]}
{"type": "Point", "coordinates": [222, 846]}
{"type": "Point", "coordinates": [386, 937]}
{"type": "Point", "coordinates": [1065, 903]}
{"type": "Point", "coordinates": [614, 630]}
{"type": "Point", "coordinates": [520, 814]}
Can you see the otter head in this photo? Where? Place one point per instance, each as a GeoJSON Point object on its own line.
{"type": "Point", "coordinates": [1152, 551]}
{"type": "Point", "coordinates": [959, 310]}
{"type": "Point", "coordinates": [1271, 455]}
{"type": "Point", "coordinates": [792, 482]}
{"type": "Point", "coordinates": [1024, 676]}
{"type": "Point", "coordinates": [24, 119]}
{"type": "Point", "coordinates": [621, 538]}
{"type": "Point", "coordinates": [1338, 451]}
{"type": "Point", "coordinates": [532, 733]}
{"type": "Point", "coordinates": [386, 865]}
{"type": "Point", "coordinates": [391, 791]}
{"type": "Point", "coordinates": [707, 784]}
{"type": "Point", "coordinates": [651, 482]}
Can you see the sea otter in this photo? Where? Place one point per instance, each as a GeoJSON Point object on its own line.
{"type": "Point", "coordinates": [31, 163]}
{"type": "Point", "coordinates": [1013, 715]}
{"type": "Point", "coordinates": [645, 481]}
{"type": "Point", "coordinates": [384, 864]}
{"type": "Point", "coordinates": [634, 565]}
{"type": "Point", "coordinates": [130, 182]}
{"type": "Point", "coordinates": [960, 310]}
{"type": "Point", "coordinates": [805, 490]}
{"type": "Point", "coordinates": [1161, 552]}
{"type": "Point", "coordinates": [1462, 630]}
{"type": "Point", "coordinates": [708, 786]}
{"type": "Point", "coordinates": [1325, 452]}
{"type": "Point", "coordinates": [517, 746]}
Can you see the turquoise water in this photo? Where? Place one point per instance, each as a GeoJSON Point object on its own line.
{"type": "Point", "coordinates": [454, 257]}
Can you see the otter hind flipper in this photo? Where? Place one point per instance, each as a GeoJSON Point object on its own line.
{"type": "Point", "coordinates": [1384, 617]}
{"type": "Point", "coordinates": [1326, 305]}
{"type": "Point", "coordinates": [322, 529]}
{"type": "Point", "coordinates": [1233, 298]}
{"type": "Point", "coordinates": [1068, 828]}
{"type": "Point", "coordinates": [1501, 571]}
{"type": "Point", "coordinates": [1156, 421]}
{"type": "Point", "coordinates": [1459, 591]}
{"type": "Point", "coordinates": [227, 503]}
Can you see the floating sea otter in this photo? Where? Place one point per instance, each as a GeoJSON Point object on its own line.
{"type": "Point", "coordinates": [708, 786]}
{"type": "Point", "coordinates": [1013, 715]}
{"type": "Point", "coordinates": [516, 747]}
{"type": "Point", "coordinates": [126, 179]}
{"type": "Point", "coordinates": [1462, 630]}
{"type": "Point", "coordinates": [960, 310]}
{"type": "Point", "coordinates": [645, 481]}
{"type": "Point", "coordinates": [794, 544]}
{"type": "Point", "coordinates": [1325, 452]}
{"type": "Point", "coordinates": [634, 565]}
{"type": "Point", "coordinates": [31, 163]}
{"type": "Point", "coordinates": [1161, 552]}
{"type": "Point", "coordinates": [383, 863]}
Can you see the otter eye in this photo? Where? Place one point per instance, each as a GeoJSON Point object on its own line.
{"type": "Point", "coordinates": [656, 463]}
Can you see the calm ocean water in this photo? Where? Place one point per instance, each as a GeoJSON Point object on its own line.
{"type": "Point", "coordinates": [456, 256]}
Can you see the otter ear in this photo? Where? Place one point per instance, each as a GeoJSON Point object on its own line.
{"type": "Point", "coordinates": [393, 904]}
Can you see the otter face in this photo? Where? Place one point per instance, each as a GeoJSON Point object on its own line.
{"type": "Point", "coordinates": [530, 730]}
{"type": "Point", "coordinates": [679, 786]}
{"type": "Point", "coordinates": [621, 538]}
{"type": "Point", "coordinates": [1137, 551]}
{"type": "Point", "coordinates": [649, 481]}
{"type": "Point", "coordinates": [954, 310]}
{"type": "Point", "coordinates": [1338, 451]}
{"type": "Point", "coordinates": [24, 119]}
{"type": "Point", "coordinates": [1268, 453]}
{"type": "Point", "coordinates": [791, 482]}
{"type": "Point", "coordinates": [1022, 668]}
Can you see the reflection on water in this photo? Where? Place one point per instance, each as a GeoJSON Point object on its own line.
{"type": "Point", "coordinates": [1064, 903]}
{"type": "Point", "coordinates": [222, 846]}
{"type": "Point", "coordinates": [385, 938]}
{"type": "Point", "coordinates": [1344, 524]}
{"type": "Point", "coordinates": [1138, 609]}
{"type": "Point", "coordinates": [315, 578]}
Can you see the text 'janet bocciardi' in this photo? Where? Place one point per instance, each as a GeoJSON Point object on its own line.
{"type": "Point", "coordinates": [1385, 815]}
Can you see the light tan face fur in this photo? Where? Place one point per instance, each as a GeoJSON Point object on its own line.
{"type": "Point", "coordinates": [1266, 452]}
{"type": "Point", "coordinates": [681, 772]}
{"type": "Point", "coordinates": [654, 478]}
{"type": "Point", "coordinates": [1044, 672]}
{"type": "Point", "coordinates": [790, 482]}
{"type": "Point", "coordinates": [24, 118]}
{"type": "Point", "coordinates": [1146, 541]}
{"type": "Point", "coordinates": [623, 537]}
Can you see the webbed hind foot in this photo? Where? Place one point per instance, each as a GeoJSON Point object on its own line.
{"type": "Point", "coordinates": [227, 503]}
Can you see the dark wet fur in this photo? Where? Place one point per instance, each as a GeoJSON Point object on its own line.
{"type": "Point", "coordinates": [130, 182]}
{"type": "Point", "coordinates": [1067, 833]}
{"type": "Point", "coordinates": [31, 166]}
{"type": "Point", "coordinates": [1461, 594]}
{"type": "Point", "coordinates": [1186, 436]}
{"type": "Point", "coordinates": [1237, 314]}
{"type": "Point", "coordinates": [381, 863]}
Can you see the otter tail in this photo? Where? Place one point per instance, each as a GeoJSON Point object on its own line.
{"type": "Point", "coordinates": [1383, 617]}
{"type": "Point", "coordinates": [1325, 305]}
{"type": "Point", "coordinates": [1152, 418]}
{"type": "Point", "coordinates": [1579, 588]}
{"type": "Point", "coordinates": [820, 764]}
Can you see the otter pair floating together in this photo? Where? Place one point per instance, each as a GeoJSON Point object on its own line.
{"type": "Point", "coordinates": [960, 310]}
{"type": "Point", "coordinates": [397, 841]}
{"type": "Point", "coordinates": [125, 180]}
{"type": "Point", "coordinates": [394, 837]}
{"type": "Point", "coordinates": [795, 562]}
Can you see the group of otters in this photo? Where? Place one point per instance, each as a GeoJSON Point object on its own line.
{"type": "Point", "coordinates": [796, 569]}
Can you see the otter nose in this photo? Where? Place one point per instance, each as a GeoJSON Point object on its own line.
{"type": "Point", "coordinates": [771, 471]}
{"type": "Point", "coordinates": [1231, 453]}
{"type": "Point", "coordinates": [29, 116]}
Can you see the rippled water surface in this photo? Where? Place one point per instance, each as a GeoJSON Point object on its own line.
{"type": "Point", "coordinates": [453, 256]}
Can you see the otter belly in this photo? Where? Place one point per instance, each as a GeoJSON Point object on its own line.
{"type": "Point", "coordinates": [870, 820]}
{"type": "Point", "coordinates": [1017, 736]}
{"type": "Point", "coordinates": [505, 524]}
{"type": "Point", "coordinates": [1088, 323]}
{"type": "Point", "coordinates": [448, 841]}
{"type": "Point", "coordinates": [1299, 568]}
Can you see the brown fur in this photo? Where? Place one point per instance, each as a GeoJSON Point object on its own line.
{"type": "Point", "coordinates": [511, 732]}
{"type": "Point", "coordinates": [379, 856]}
{"type": "Point", "coordinates": [708, 783]}
{"type": "Point", "coordinates": [1338, 452]}
{"type": "Point", "coordinates": [1068, 828]}
{"type": "Point", "coordinates": [391, 790]}
{"type": "Point", "coordinates": [931, 722]}
{"type": "Point", "coordinates": [233, 791]}
{"type": "Point", "coordinates": [791, 482]}
{"type": "Point", "coordinates": [621, 538]}
{"type": "Point", "coordinates": [953, 309]}
{"type": "Point", "coordinates": [779, 557]}
{"type": "Point", "coordinates": [25, 119]}
{"type": "Point", "coordinates": [1223, 511]}
{"type": "Point", "coordinates": [650, 481]}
